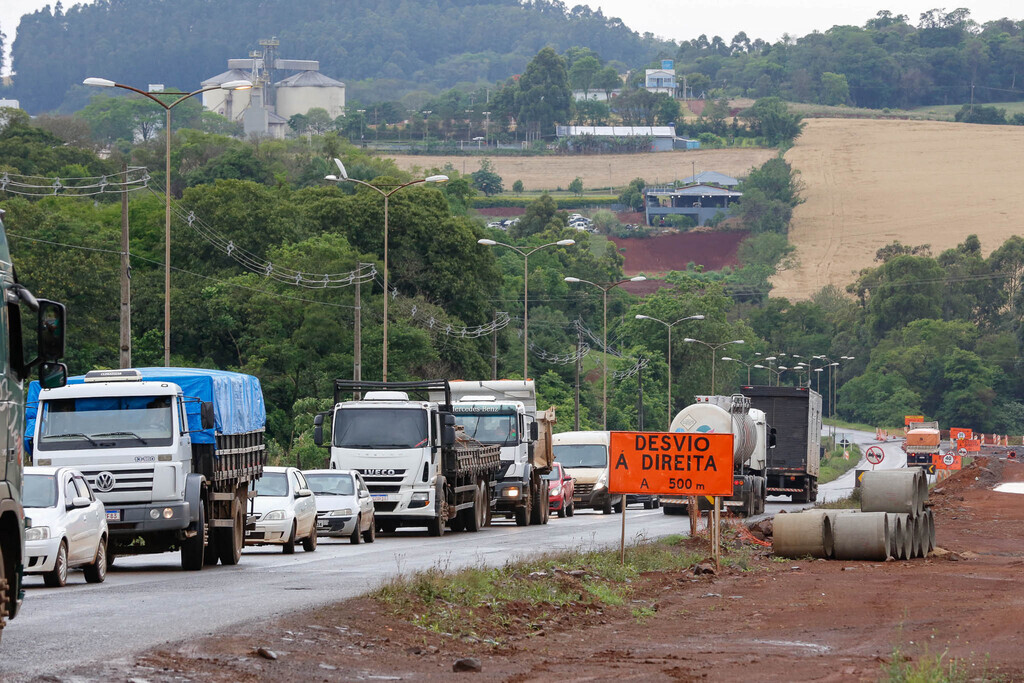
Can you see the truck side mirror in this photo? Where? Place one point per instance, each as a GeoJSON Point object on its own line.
{"type": "Point", "coordinates": [534, 431]}
{"type": "Point", "coordinates": [50, 328]}
{"type": "Point", "coordinates": [207, 418]}
{"type": "Point", "coordinates": [447, 436]}
{"type": "Point", "coordinates": [318, 430]}
{"type": "Point", "coordinates": [771, 438]}
{"type": "Point", "coordinates": [53, 375]}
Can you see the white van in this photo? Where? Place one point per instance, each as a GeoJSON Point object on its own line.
{"type": "Point", "coordinates": [584, 455]}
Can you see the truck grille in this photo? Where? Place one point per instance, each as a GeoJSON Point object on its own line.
{"type": "Point", "coordinates": [129, 480]}
{"type": "Point", "coordinates": [392, 477]}
{"type": "Point", "coordinates": [582, 489]}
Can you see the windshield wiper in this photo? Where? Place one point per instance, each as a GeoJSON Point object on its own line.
{"type": "Point", "coordinates": [132, 434]}
{"type": "Point", "coordinates": [70, 434]}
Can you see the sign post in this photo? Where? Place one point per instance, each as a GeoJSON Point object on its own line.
{"type": "Point", "coordinates": [875, 455]}
{"type": "Point", "coordinates": [672, 463]}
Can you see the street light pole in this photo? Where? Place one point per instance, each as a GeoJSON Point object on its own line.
{"type": "Point", "coordinates": [526, 285]}
{"type": "Point", "coordinates": [669, 326]}
{"type": "Point", "coordinates": [386, 195]}
{"type": "Point", "coordinates": [181, 97]}
{"type": "Point", "coordinates": [714, 349]}
{"type": "Point", "coordinates": [605, 287]}
{"type": "Point", "coordinates": [737, 360]}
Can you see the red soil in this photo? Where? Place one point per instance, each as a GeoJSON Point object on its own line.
{"type": "Point", "coordinates": [713, 250]}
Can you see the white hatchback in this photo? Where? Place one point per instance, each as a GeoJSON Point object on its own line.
{"type": "Point", "coordinates": [283, 510]}
{"type": "Point", "coordinates": [343, 505]}
{"type": "Point", "coordinates": [69, 526]}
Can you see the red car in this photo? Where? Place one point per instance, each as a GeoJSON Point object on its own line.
{"type": "Point", "coordinates": [560, 489]}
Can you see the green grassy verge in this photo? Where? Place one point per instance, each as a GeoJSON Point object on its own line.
{"type": "Point", "coordinates": [859, 426]}
{"type": "Point", "coordinates": [484, 603]}
{"type": "Point", "coordinates": [851, 501]}
{"type": "Point", "coordinates": [834, 464]}
{"type": "Point", "coordinates": [929, 668]}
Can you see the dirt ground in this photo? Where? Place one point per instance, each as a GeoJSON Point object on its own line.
{"type": "Point", "coordinates": [807, 620]}
{"type": "Point", "coordinates": [598, 170]}
{"type": "Point", "coordinates": [713, 250]}
{"type": "Point", "coordinates": [869, 182]}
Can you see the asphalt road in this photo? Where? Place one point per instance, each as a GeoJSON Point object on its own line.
{"type": "Point", "coordinates": [148, 601]}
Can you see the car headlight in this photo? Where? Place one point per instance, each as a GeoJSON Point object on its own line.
{"type": "Point", "coordinates": [37, 533]}
{"type": "Point", "coordinates": [602, 481]}
{"type": "Point", "coordinates": [555, 490]}
{"type": "Point", "coordinates": [344, 512]}
{"type": "Point", "coordinates": [274, 515]}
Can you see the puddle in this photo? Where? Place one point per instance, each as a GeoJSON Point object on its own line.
{"type": "Point", "coordinates": [815, 647]}
{"type": "Point", "coordinates": [1011, 487]}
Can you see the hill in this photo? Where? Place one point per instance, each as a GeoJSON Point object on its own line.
{"type": "Point", "coordinates": [869, 182]}
{"type": "Point", "coordinates": [412, 45]}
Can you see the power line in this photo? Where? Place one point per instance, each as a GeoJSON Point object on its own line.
{"type": "Point", "coordinates": [136, 178]}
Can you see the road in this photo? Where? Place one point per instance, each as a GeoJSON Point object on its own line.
{"type": "Point", "coordinates": [148, 601]}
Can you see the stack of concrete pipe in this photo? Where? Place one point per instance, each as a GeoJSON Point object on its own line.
{"type": "Point", "coordinates": [892, 522]}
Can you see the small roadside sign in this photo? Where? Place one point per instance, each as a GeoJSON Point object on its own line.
{"type": "Point", "coordinates": [875, 455]}
{"type": "Point", "coordinates": [948, 461]}
{"type": "Point", "coordinates": [667, 463]}
{"type": "Point", "coordinates": [846, 455]}
{"type": "Point", "coordinates": [910, 419]}
{"type": "Point", "coordinates": [860, 476]}
{"type": "Point", "coordinates": [959, 433]}
{"type": "Point", "coordinates": [961, 451]}
{"type": "Point", "coordinates": [843, 442]}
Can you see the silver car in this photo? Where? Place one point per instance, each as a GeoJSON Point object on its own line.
{"type": "Point", "coordinates": [343, 505]}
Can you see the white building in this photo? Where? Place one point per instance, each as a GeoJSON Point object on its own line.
{"type": "Point", "coordinates": [662, 80]}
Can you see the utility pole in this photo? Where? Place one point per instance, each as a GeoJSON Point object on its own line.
{"type": "Point", "coordinates": [494, 351]}
{"type": "Point", "coordinates": [579, 360]}
{"type": "Point", "coordinates": [640, 394]}
{"type": "Point", "coordinates": [972, 97]}
{"type": "Point", "coordinates": [357, 350]}
{"type": "Point", "coordinates": [126, 274]}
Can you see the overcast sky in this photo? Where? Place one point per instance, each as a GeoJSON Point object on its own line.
{"type": "Point", "coordinates": [685, 19]}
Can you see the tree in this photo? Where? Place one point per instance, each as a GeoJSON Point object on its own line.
{"type": "Point", "coordinates": [668, 110]}
{"type": "Point", "coordinates": [607, 80]}
{"type": "Point", "coordinates": [517, 187]}
{"type": "Point", "coordinates": [486, 179]}
{"type": "Point", "coordinates": [540, 215]}
{"type": "Point", "coordinates": [632, 196]}
{"type": "Point", "coordinates": [770, 118]}
{"type": "Point", "coordinates": [123, 118]}
{"type": "Point", "coordinates": [835, 89]}
{"type": "Point", "coordinates": [576, 187]}
{"type": "Point", "coordinates": [544, 96]}
{"type": "Point", "coordinates": [582, 74]}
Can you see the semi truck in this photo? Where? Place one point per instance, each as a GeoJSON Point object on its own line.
{"type": "Point", "coordinates": [420, 469]}
{"type": "Point", "coordinates": [50, 328]}
{"type": "Point", "coordinates": [503, 413]}
{"type": "Point", "coordinates": [795, 415]}
{"type": "Point", "coordinates": [171, 453]}
{"type": "Point", "coordinates": [753, 439]}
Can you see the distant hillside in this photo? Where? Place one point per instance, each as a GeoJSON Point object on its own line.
{"type": "Point", "coordinates": [415, 43]}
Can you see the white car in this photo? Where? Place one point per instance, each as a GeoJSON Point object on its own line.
{"type": "Point", "coordinates": [343, 505]}
{"type": "Point", "coordinates": [69, 526]}
{"type": "Point", "coordinates": [283, 510]}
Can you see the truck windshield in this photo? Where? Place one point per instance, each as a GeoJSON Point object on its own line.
{"type": "Point", "coordinates": [39, 491]}
{"type": "Point", "coordinates": [105, 422]}
{"type": "Point", "coordinates": [490, 429]}
{"type": "Point", "coordinates": [271, 484]}
{"type": "Point", "coordinates": [573, 455]}
{"type": "Point", "coordinates": [331, 484]}
{"type": "Point", "coordinates": [380, 428]}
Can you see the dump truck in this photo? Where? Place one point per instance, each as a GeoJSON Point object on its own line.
{"type": "Point", "coordinates": [50, 319]}
{"type": "Point", "coordinates": [420, 469]}
{"type": "Point", "coordinates": [171, 453]}
{"type": "Point", "coordinates": [923, 441]}
{"type": "Point", "coordinates": [795, 415]}
{"type": "Point", "coordinates": [752, 441]}
{"type": "Point", "coordinates": [504, 413]}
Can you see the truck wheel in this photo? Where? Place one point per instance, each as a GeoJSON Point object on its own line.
{"type": "Point", "coordinates": [545, 508]}
{"type": "Point", "coordinates": [458, 522]}
{"type": "Point", "coordinates": [192, 549]}
{"type": "Point", "coordinates": [97, 571]}
{"type": "Point", "coordinates": [58, 576]}
{"type": "Point", "coordinates": [229, 541]}
{"type": "Point", "coordinates": [537, 506]}
{"type": "Point", "coordinates": [814, 491]}
{"type": "Point", "coordinates": [648, 505]}
{"type": "Point", "coordinates": [524, 513]}
{"type": "Point", "coordinates": [289, 546]}
{"type": "Point", "coordinates": [210, 555]}
{"type": "Point", "coordinates": [476, 517]}
{"type": "Point", "coordinates": [435, 527]}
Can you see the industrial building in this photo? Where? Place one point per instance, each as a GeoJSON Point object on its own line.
{"type": "Point", "coordinates": [702, 197]}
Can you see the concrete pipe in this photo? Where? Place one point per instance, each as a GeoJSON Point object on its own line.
{"type": "Point", "coordinates": [897, 535]}
{"type": "Point", "coordinates": [862, 537]}
{"type": "Point", "coordinates": [930, 516]}
{"type": "Point", "coordinates": [913, 537]}
{"type": "Point", "coordinates": [799, 535]}
{"type": "Point", "coordinates": [923, 536]}
{"type": "Point", "coordinates": [893, 491]}
{"type": "Point", "coordinates": [907, 547]}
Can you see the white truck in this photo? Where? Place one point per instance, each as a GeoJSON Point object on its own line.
{"type": "Point", "coordinates": [420, 470]}
{"type": "Point", "coordinates": [503, 413]}
{"type": "Point", "coordinates": [171, 453]}
{"type": "Point", "coordinates": [752, 441]}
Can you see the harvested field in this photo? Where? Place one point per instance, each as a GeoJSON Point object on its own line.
{"type": "Point", "coordinates": [920, 182]}
{"type": "Point", "coordinates": [713, 250]}
{"type": "Point", "coordinates": [598, 170]}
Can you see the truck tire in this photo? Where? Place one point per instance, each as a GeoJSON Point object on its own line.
{"type": "Point", "coordinates": [524, 515]}
{"type": "Point", "coordinates": [476, 517]}
{"type": "Point", "coordinates": [435, 527]}
{"type": "Point", "coordinates": [814, 491]}
{"type": "Point", "coordinates": [229, 541]}
{"type": "Point", "coordinates": [97, 571]}
{"type": "Point", "coordinates": [673, 509]}
{"type": "Point", "coordinates": [193, 549]}
{"type": "Point", "coordinates": [210, 555]}
{"type": "Point", "coordinates": [538, 503]}
{"type": "Point", "coordinates": [458, 522]}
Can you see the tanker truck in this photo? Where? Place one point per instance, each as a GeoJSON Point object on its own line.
{"type": "Point", "coordinates": [752, 439]}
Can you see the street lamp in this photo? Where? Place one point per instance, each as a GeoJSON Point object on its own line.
{"type": "Point", "coordinates": [669, 326]}
{"type": "Point", "coordinates": [487, 125]}
{"type": "Point", "coordinates": [426, 125]}
{"type": "Point", "coordinates": [362, 122]}
{"type": "Point", "coordinates": [526, 283]}
{"type": "Point", "coordinates": [181, 97]}
{"type": "Point", "coordinates": [714, 349]}
{"type": "Point", "coordinates": [737, 360]}
{"type": "Point", "coordinates": [770, 371]}
{"type": "Point", "coordinates": [343, 177]}
{"type": "Point", "coordinates": [605, 287]}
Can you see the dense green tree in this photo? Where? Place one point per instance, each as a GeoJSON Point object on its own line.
{"type": "Point", "coordinates": [576, 186]}
{"type": "Point", "coordinates": [487, 179]}
{"type": "Point", "coordinates": [544, 97]}
{"type": "Point", "coordinates": [770, 118]}
{"type": "Point", "coordinates": [582, 74]}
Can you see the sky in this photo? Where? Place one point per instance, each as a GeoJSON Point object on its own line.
{"type": "Point", "coordinates": [686, 19]}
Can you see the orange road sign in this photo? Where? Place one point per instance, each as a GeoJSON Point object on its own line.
{"type": "Point", "coordinates": [666, 463]}
{"type": "Point", "coordinates": [969, 445]}
{"type": "Point", "coordinates": [959, 433]}
{"type": "Point", "coordinates": [949, 461]}
{"type": "Point", "coordinates": [909, 419]}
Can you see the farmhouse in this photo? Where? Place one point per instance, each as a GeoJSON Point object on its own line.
{"type": "Point", "coordinates": [705, 195]}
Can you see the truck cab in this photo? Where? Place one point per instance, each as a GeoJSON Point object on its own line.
{"type": "Point", "coordinates": [584, 455]}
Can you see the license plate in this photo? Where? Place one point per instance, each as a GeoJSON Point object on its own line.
{"type": "Point", "coordinates": [113, 515]}
{"type": "Point", "coordinates": [321, 524]}
{"type": "Point", "coordinates": [380, 496]}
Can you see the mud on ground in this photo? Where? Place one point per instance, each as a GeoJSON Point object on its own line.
{"type": "Point", "coordinates": [808, 620]}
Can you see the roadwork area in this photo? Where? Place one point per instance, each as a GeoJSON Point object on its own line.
{"type": "Point", "coordinates": [781, 620]}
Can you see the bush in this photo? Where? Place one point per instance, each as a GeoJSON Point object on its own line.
{"type": "Point", "coordinates": [560, 202]}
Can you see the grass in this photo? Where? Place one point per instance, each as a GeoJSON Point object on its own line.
{"type": "Point", "coordinates": [834, 464]}
{"type": "Point", "coordinates": [929, 668]}
{"type": "Point", "coordinates": [858, 426]}
{"type": "Point", "coordinates": [851, 501]}
{"type": "Point", "coordinates": [479, 601]}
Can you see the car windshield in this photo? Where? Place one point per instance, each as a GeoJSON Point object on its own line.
{"type": "Point", "coordinates": [380, 428]}
{"type": "Point", "coordinates": [554, 475]}
{"type": "Point", "coordinates": [271, 484]}
{"type": "Point", "coordinates": [107, 421]}
{"type": "Point", "coordinates": [490, 429]}
{"type": "Point", "coordinates": [39, 491]}
{"type": "Point", "coordinates": [330, 484]}
{"type": "Point", "coordinates": [573, 455]}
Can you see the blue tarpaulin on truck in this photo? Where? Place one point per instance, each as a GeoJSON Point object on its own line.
{"type": "Point", "coordinates": [237, 400]}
